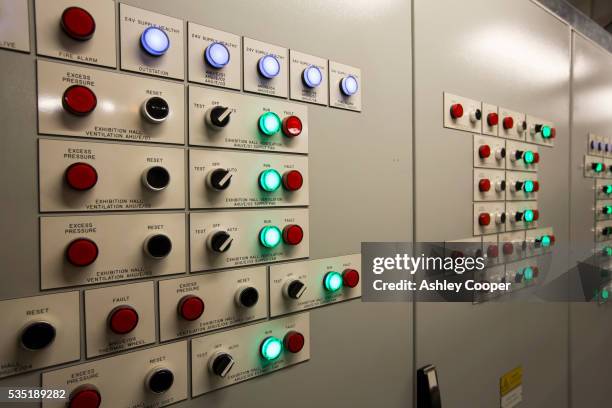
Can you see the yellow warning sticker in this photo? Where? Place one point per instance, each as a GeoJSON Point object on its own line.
{"type": "Point", "coordinates": [510, 381]}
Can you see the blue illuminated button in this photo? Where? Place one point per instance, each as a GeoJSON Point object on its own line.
{"type": "Point", "coordinates": [217, 55]}
{"type": "Point", "coordinates": [528, 273]}
{"type": "Point", "coordinates": [155, 41]}
{"type": "Point", "coordinates": [312, 76]}
{"type": "Point", "coordinates": [349, 85]}
{"type": "Point", "coordinates": [269, 67]}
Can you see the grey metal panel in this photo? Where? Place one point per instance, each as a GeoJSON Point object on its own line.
{"type": "Point", "coordinates": [590, 331]}
{"type": "Point", "coordinates": [350, 153]}
{"type": "Point", "coordinates": [516, 55]}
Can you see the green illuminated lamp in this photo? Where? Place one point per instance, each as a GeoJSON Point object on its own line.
{"type": "Point", "coordinates": [607, 251]}
{"type": "Point", "coordinates": [270, 180]}
{"type": "Point", "coordinates": [529, 216]}
{"type": "Point", "coordinates": [528, 157]}
{"type": "Point", "coordinates": [528, 186]}
{"type": "Point", "coordinates": [269, 123]}
{"type": "Point", "coordinates": [605, 294]}
{"type": "Point", "coordinates": [607, 189]}
{"type": "Point", "coordinates": [270, 236]}
{"type": "Point", "coordinates": [607, 209]}
{"type": "Point", "coordinates": [271, 348]}
{"type": "Point", "coordinates": [332, 281]}
{"type": "Point", "coordinates": [528, 273]}
{"type": "Point", "coordinates": [545, 241]}
{"type": "Point", "coordinates": [598, 167]}
{"type": "Point", "coordinates": [546, 131]}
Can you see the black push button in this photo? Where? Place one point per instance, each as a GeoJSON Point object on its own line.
{"type": "Point", "coordinates": [248, 297]}
{"type": "Point", "coordinates": [37, 335]}
{"type": "Point", "coordinates": [156, 178]}
{"type": "Point", "coordinates": [155, 109]}
{"type": "Point", "coordinates": [161, 381]}
{"type": "Point", "coordinates": [158, 246]}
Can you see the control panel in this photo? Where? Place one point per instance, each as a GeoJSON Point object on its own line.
{"type": "Point", "coordinates": [305, 285]}
{"type": "Point", "coordinates": [230, 357]}
{"type": "Point", "coordinates": [14, 25]}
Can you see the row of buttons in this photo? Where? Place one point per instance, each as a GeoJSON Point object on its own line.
{"type": "Point", "coordinates": [527, 216]}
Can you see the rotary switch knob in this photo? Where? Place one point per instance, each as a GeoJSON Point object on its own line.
{"type": "Point", "coordinates": [247, 297]}
{"type": "Point", "coordinates": [78, 24]}
{"type": "Point", "coordinates": [500, 186]}
{"type": "Point", "coordinates": [219, 241]}
{"type": "Point", "coordinates": [500, 153]}
{"type": "Point", "coordinates": [191, 308]}
{"type": "Point", "coordinates": [158, 246]}
{"type": "Point", "coordinates": [475, 115]}
{"type": "Point", "coordinates": [81, 252]}
{"type": "Point", "coordinates": [522, 127]}
{"type": "Point", "coordinates": [159, 380]}
{"type": "Point", "coordinates": [500, 218]}
{"type": "Point", "coordinates": [219, 116]}
{"type": "Point", "coordinates": [79, 100]}
{"type": "Point", "coordinates": [37, 335]}
{"type": "Point", "coordinates": [85, 396]}
{"type": "Point", "coordinates": [294, 289]}
{"type": "Point", "coordinates": [221, 364]}
{"type": "Point", "coordinates": [122, 319]}
{"type": "Point", "coordinates": [219, 179]}
{"type": "Point", "coordinates": [81, 176]}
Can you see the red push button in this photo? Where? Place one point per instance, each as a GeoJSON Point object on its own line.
{"type": "Point", "coordinates": [82, 252]}
{"type": "Point", "coordinates": [191, 307]}
{"type": "Point", "coordinates": [122, 319]}
{"type": "Point", "coordinates": [536, 186]}
{"type": "Point", "coordinates": [508, 122]}
{"type": "Point", "coordinates": [484, 151]}
{"type": "Point", "coordinates": [484, 185]}
{"type": "Point", "coordinates": [508, 248]}
{"type": "Point", "coordinates": [293, 180]}
{"type": "Point", "coordinates": [350, 278]}
{"type": "Point", "coordinates": [492, 119]}
{"type": "Point", "coordinates": [78, 24]}
{"type": "Point", "coordinates": [294, 341]}
{"type": "Point", "coordinates": [484, 219]}
{"type": "Point", "coordinates": [456, 111]}
{"type": "Point", "coordinates": [81, 176]}
{"type": "Point", "coordinates": [553, 133]}
{"type": "Point", "coordinates": [293, 234]}
{"type": "Point", "coordinates": [86, 396]}
{"type": "Point", "coordinates": [493, 251]}
{"type": "Point", "coordinates": [292, 126]}
{"type": "Point", "coordinates": [552, 239]}
{"type": "Point", "coordinates": [79, 100]}
{"type": "Point", "coordinates": [536, 215]}
{"type": "Point", "coordinates": [536, 157]}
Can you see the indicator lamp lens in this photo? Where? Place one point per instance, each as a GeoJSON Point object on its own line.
{"type": "Point", "coordinates": [332, 281]}
{"type": "Point", "coordinates": [528, 186]}
{"type": "Point", "coordinates": [217, 55]}
{"type": "Point", "coordinates": [349, 85]}
{"type": "Point", "coordinates": [528, 273]}
{"type": "Point", "coordinates": [270, 236]}
{"type": "Point", "coordinates": [270, 180]}
{"type": "Point", "coordinates": [546, 132]}
{"type": "Point", "coordinates": [607, 209]}
{"type": "Point", "coordinates": [269, 123]}
{"type": "Point", "coordinates": [608, 189]}
{"type": "Point", "coordinates": [312, 76]}
{"type": "Point", "coordinates": [271, 348]}
{"type": "Point", "coordinates": [268, 66]}
{"type": "Point", "coordinates": [598, 167]}
{"type": "Point", "coordinates": [546, 241]}
{"type": "Point", "coordinates": [155, 41]}
{"type": "Point", "coordinates": [607, 251]}
{"type": "Point", "coordinates": [528, 157]}
{"type": "Point", "coordinates": [605, 294]}
{"type": "Point", "coordinates": [529, 216]}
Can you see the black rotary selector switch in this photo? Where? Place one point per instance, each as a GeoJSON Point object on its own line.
{"type": "Point", "coordinates": [37, 335]}
{"type": "Point", "coordinates": [606, 231]}
{"type": "Point", "coordinates": [221, 364]}
{"type": "Point", "coordinates": [160, 380]}
{"type": "Point", "coordinates": [247, 297]}
{"type": "Point", "coordinates": [219, 179]}
{"type": "Point", "coordinates": [295, 289]}
{"type": "Point", "coordinates": [502, 185]}
{"type": "Point", "coordinates": [155, 109]}
{"type": "Point", "coordinates": [518, 216]}
{"type": "Point", "coordinates": [158, 246]}
{"type": "Point", "coordinates": [518, 155]}
{"type": "Point", "coordinates": [156, 178]}
{"type": "Point", "coordinates": [220, 241]}
{"type": "Point", "coordinates": [219, 116]}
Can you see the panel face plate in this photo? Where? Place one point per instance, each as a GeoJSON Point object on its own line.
{"type": "Point", "coordinates": [515, 148]}
{"type": "Point", "coordinates": [243, 345]}
{"type": "Point", "coordinates": [61, 310]}
{"type": "Point", "coordinates": [52, 41]}
{"type": "Point", "coordinates": [518, 130]}
{"type": "Point", "coordinates": [514, 207]}
{"type": "Point", "coordinates": [120, 241]}
{"type": "Point", "coordinates": [255, 82]}
{"type": "Point", "coordinates": [497, 152]}
{"type": "Point", "coordinates": [337, 99]}
{"type": "Point", "coordinates": [600, 191]}
{"type": "Point", "coordinates": [121, 380]}
{"type": "Point", "coordinates": [533, 136]}
{"type": "Point", "coordinates": [603, 210]}
{"type": "Point", "coordinates": [132, 22]}
{"type": "Point", "coordinates": [117, 114]}
{"type": "Point", "coordinates": [242, 131]}
{"type": "Point", "coordinates": [600, 228]}
{"type": "Point", "coordinates": [244, 228]}
{"type": "Point", "coordinates": [199, 38]}
{"type": "Point", "coordinates": [121, 187]}
{"type": "Point", "coordinates": [467, 121]}
{"type": "Point", "coordinates": [512, 246]}
{"type": "Point", "coordinates": [494, 180]}
{"type": "Point", "coordinates": [99, 307]}
{"type": "Point", "coordinates": [298, 90]}
{"type": "Point", "coordinates": [493, 129]}
{"type": "Point", "coordinates": [218, 291]}
{"type": "Point", "coordinates": [245, 170]}
{"type": "Point", "coordinates": [591, 169]}
{"type": "Point", "coordinates": [518, 191]}
{"type": "Point", "coordinates": [312, 275]}
{"type": "Point", "coordinates": [15, 25]}
{"type": "Point", "coordinates": [497, 221]}
{"type": "Point", "coordinates": [533, 237]}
